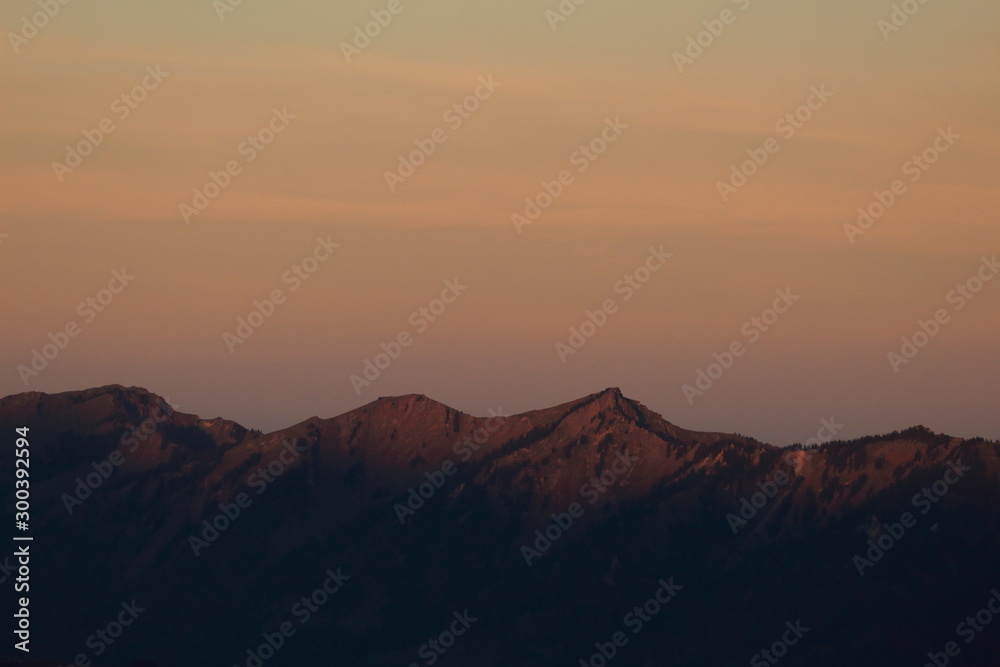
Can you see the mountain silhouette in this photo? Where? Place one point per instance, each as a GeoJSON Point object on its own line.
{"type": "Point", "coordinates": [406, 532]}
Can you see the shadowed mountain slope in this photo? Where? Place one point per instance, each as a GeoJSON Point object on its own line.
{"type": "Point", "coordinates": [549, 526]}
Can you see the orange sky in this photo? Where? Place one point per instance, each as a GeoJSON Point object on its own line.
{"type": "Point", "coordinates": [656, 184]}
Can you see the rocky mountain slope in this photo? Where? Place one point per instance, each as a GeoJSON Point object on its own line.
{"type": "Point", "coordinates": [547, 526]}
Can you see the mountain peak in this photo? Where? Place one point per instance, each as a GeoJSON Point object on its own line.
{"type": "Point", "coordinates": [407, 402]}
{"type": "Point", "coordinates": [416, 410]}
{"type": "Point", "coordinates": [98, 402]}
{"type": "Point", "coordinates": [613, 396]}
{"type": "Point", "coordinates": [610, 400]}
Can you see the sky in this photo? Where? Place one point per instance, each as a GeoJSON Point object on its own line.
{"type": "Point", "coordinates": [678, 183]}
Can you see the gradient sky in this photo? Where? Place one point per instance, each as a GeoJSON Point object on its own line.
{"type": "Point", "coordinates": [323, 176]}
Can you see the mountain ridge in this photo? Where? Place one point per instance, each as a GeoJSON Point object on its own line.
{"type": "Point", "coordinates": [430, 510]}
{"type": "Point", "coordinates": [612, 393]}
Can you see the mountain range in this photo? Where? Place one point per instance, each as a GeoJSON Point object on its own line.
{"type": "Point", "coordinates": [408, 533]}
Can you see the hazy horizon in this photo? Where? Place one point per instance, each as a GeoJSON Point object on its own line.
{"type": "Point", "coordinates": [878, 98]}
